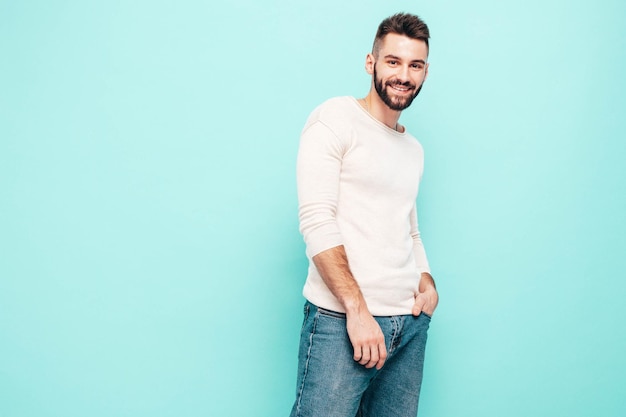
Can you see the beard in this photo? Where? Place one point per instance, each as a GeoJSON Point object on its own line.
{"type": "Point", "coordinates": [395, 103]}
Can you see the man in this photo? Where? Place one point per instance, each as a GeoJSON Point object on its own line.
{"type": "Point", "coordinates": [370, 295]}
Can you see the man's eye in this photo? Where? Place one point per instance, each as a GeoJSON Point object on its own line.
{"type": "Point", "coordinates": [393, 62]}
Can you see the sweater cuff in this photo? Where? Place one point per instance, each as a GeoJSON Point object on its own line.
{"type": "Point", "coordinates": [321, 239]}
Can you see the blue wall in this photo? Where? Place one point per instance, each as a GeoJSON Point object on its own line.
{"type": "Point", "coordinates": [150, 260]}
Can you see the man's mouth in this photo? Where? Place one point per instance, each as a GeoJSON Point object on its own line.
{"type": "Point", "coordinates": [401, 87]}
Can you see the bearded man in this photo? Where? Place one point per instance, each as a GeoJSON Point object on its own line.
{"type": "Point", "coordinates": [370, 295]}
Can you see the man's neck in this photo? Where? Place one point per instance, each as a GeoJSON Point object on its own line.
{"type": "Point", "coordinates": [381, 112]}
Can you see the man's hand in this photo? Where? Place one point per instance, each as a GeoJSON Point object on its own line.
{"type": "Point", "coordinates": [426, 299]}
{"type": "Point", "coordinates": [364, 332]}
{"type": "Point", "coordinates": [367, 339]}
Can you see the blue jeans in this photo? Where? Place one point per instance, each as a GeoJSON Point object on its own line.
{"type": "Point", "coordinates": [331, 384]}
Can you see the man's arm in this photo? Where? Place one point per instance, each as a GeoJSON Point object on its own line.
{"type": "Point", "coordinates": [427, 298]}
{"type": "Point", "coordinates": [318, 171]}
{"type": "Point", "coordinates": [365, 334]}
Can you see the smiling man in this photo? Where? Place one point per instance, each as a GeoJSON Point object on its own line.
{"type": "Point", "coordinates": [370, 296]}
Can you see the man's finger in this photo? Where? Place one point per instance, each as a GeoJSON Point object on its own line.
{"type": "Point", "coordinates": [366, 355]}
{"type": "Point", "coordinates": [382, 355]}
{"type": "Point", "coordinates": [373, 357]}
{"type": "Point", "coordinates": [418, 306]}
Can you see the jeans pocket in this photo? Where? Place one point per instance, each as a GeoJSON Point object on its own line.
{"type": "Point", "coordinates": [306, 311]}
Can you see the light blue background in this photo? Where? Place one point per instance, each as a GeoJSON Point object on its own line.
{"type": "Point", "coordinates": [150, 260]}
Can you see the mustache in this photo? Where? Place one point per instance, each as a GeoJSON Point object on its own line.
{"type": "Point", "coordinates": [408, 84]}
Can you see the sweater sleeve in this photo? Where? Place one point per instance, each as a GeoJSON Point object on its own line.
{"type": "Point", "coordinates": [418, 247]}
{"type": "Point", "coordinates": [318, 173]}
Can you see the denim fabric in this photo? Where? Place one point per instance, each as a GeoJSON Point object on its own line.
{"type": "Point", "coordinates": [331, 384]}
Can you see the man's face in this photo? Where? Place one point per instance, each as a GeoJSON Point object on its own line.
{"type": "Point", "coordinates": [399, 70]}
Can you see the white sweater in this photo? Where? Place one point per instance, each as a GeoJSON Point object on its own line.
{"type": "Point", "coordinates": [357, 185]}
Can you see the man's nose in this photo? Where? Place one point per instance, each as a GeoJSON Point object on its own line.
{"type": "Point", "coordinates": [403, 74]}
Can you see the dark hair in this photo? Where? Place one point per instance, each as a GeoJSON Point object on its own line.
{"type": "Point", "coordinates": [405, 24]}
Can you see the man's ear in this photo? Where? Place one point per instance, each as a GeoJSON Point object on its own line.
{"type": "Point", "coordinates": [369, 63]}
